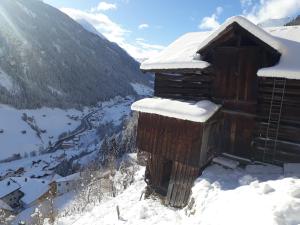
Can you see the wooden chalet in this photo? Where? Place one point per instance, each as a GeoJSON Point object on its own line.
{"type": "Point", "coordinates": [247, 81]}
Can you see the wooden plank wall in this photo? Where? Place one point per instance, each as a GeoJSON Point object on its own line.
{"type": "Point", "coordinates": [185, 86]}
{"type": "Point", "coordinates": [181, 182]}
{"type": "Point", "coordinates": [235, 83]}
{"type": "Point", "coordinates": [155, 167]}
{"type": "Point", "coordinates": [288, 144]}
{"type": "Point", "coordinates": [174, 139]}
{"type": "Point", "coordinates": [238, 134]}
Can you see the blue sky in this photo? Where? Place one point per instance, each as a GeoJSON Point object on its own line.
{"type": "Point", "coordinates": [145, 27]}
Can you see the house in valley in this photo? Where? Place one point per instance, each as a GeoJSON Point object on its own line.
{"type": "Point", "coordinates": [34, 190]}
{"type": "Point", "coordinates": [10, 193]}
{"type": "Point", "coordinates": [235, 90]}
{"type": "Point", "coordinates": [68, 183]}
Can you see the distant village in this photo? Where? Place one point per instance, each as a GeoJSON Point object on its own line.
{"type": "Point", "coordinates": [19, 193]}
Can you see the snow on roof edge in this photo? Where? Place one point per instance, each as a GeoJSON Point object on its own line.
{"type": "Point", "coordinates": [251, 27]}
{"type": "Point", "coordinates": [175, 65]}
{"type": "Point", "coordinates": [75, 176]}
{"type": "Point", "coordinates": [198, 112]}
{"type": "Point", "coordinates": [6, 189]}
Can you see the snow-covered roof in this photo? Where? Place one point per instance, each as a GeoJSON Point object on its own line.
{"type": "Point", "coordinates": [182, 54]}
{"type": "Point", "coordinates": [75, 176]}
{"type": "Point", "coordinates": [193, 111]}
{"type": "Point", "coordinates": [249, 26]}
{"type": "Point", "coordinates": [8, 186]}
{"type": "Point", "coordinates": [4, 206]}
{"type": "Point", "coordinates": [55, 177]}
{"type": "Point", "coordinates": [33, 189]}
{"type": "Point", "coordinates": [288, 65]}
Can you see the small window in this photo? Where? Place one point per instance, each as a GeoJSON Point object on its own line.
{"type": "Point", "coordinates": [67, 183]}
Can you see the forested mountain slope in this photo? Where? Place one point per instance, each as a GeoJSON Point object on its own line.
{"type": "Point", "coordinates": [48, 59]}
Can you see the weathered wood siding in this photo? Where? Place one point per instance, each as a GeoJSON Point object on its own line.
{"type": "Point", "coordinates": [187, 86]}
{"type": "Point", "coordinates": [178, 149]}
{"type": "Point", "coordinates": [238, 134]}
{"type": "Point", "coordinates": [288, 142]}
{"type": "Point", "coordinates": [181, 182]}
{"type": "Point", "coordinates": [235, 74]}
{"type": "Point", "coordinates": [174, 139]}
{"type": "Point", "coordinates": [235, 86]}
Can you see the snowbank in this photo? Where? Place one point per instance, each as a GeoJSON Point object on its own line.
{"type": "Point", "coordinates": [192, 111]}
{"type": "Point", "coordinates": [238, 197]}
{"type": "Point", "coordinates": [220, 196]}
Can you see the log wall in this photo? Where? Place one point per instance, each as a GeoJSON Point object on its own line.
{"type": "Point", "coordinates": [288, 142]}
{"type": "Point", "coordinates": [177, 140]}
{"type": "Point", "coordinates": [186, 86]}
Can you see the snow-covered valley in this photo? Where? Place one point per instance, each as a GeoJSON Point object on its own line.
{"type": "Point", "coordinates": [18, 137]}
{"type": "Point", "coordinates": [42, 157]}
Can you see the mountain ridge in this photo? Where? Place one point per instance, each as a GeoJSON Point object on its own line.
{"type": "Point", "coordinates": [48, 59]}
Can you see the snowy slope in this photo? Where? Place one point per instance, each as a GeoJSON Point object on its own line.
{"type": "Point", "coordinates": [220, 196]}
{"type": "Point", "coordinates": [54, 121]}
{"type": "Point", "coordinates": [108, 117]}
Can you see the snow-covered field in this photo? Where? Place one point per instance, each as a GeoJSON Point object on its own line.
{"type": "Point", "coordinates": [16, 136]}
{"type": "Point", "coordinates": [53, 121]}
{"type": "Point", "coordinates": [56, 121]}
{"type": "Point", "coordinates": [254, 195]}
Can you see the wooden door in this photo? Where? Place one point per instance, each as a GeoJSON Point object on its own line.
{"type": "Point", "coordinates": [236, 87]}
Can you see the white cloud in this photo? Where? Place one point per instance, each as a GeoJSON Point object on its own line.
{"type": "Point", "coordinates": [115, 32]}
{"type": "Point", "coordinates": [111, 30]}
{"type": "Point", "coordinates": [104, 6]}
{"type": "Point", "coordinates": [270, 9]}
{"type": "Point", "coordinates": [143, 26]}
{"type": "Point", "coordinates": [246, 3]}
{"type": "Point", "coordinates": [211, 22]}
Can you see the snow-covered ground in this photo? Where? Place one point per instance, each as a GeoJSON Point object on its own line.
{"type": "Point", "coordinates": [13, 140]}
{"type": "Point", "coordinates": [254, 195]}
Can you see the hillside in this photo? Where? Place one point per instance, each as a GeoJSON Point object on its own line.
{"type": "Point", "coordinates": [47, 59]}
{"type": "Point", "coordinates": [255, 194]}
{"type": "Point", "coordinates": [294, 22]}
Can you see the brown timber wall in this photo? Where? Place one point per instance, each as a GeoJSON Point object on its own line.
{"type": "Point", "coordinates": [177, 140]}
{"type": "Point", "coordinates": [185, 86]}
{"type": "Point", "coordinates": [181, 182]}
{"type": "Point", "coordinates": [288, 142]}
